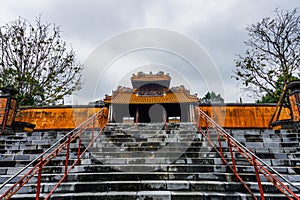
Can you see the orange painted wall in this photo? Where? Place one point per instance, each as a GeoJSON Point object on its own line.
{"type": "Point", "coordinates": [3, 106]}
{"type": "Point", "coordinates": [46, 118]}
{"type": "Point", "coordinates": [228, 116]}
{"type": "Point", "coordinates": [243, 115]}
{"type": "Point", "coordinates": [3, 103]}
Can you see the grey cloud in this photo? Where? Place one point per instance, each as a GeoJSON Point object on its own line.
{"type": "Point", "coordinates": [219, 26]}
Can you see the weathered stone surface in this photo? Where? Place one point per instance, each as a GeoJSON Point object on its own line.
{"type": "Point", "coordinates": [124, 186]}
{"type": "Point", "coordinates": [91, 186]}
{"type": "Point", "coordinates": [178, 185]}
{"type": "Point", "coordinates": [154, 195]}
{"type": "Point", "coordinates": [21, 157]}
{"type": "Point", "coordinates": [207, 186]}
{"type": "Point", "coordinates": [254, 145]}
{"type": "Point", "coordinates": [197, 174]}
{"type": "Point", "coordinates": [3, 171]}
{"type": "Point", "coordinates": [149, 185]}
{"type": "Point", "coordinates": [112, 195]}
{"type": "Point", "coordinates": [180, 195]}
{"type": "Point", "coordinates": [278, 162]}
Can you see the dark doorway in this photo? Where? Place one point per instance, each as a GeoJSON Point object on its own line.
{"type": "Point", "coordinates": [148, 113]}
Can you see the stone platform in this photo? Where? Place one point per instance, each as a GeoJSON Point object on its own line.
{"type": "Point", "coordinates": [149, 161]}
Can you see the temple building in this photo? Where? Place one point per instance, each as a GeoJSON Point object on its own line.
{"type": "Point", "coordinates": [151, 100]}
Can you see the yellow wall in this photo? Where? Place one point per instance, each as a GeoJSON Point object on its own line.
{"type": "Point", "coordinates": [228, 116]}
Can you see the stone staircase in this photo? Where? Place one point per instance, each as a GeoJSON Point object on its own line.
{"type": "Point", "coordinates": [150, 161]}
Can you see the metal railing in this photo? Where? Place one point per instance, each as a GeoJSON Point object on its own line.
{"type": "Point", "coordinates": [235, 147]}
{"type": "Point", "coordinates": [35, 167]}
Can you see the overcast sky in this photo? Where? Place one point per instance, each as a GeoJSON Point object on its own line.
{"type": "Point", "coordinates": [217, 27]}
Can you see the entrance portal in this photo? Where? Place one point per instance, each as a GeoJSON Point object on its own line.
{"type": "Point", "coordinates": [151, 100]}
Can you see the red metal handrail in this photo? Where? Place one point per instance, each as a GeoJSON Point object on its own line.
{"type": "Point", "coordinates": [260, 167]}
{"type": "Point", "coordinates": [52, 152]}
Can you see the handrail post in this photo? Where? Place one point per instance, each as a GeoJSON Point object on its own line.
{"type": "Point", "coordinates": [79, 150]}
{"type": "Point", "coordinates": [196, 119]}
{"type": "Point", "coordinates": [93, 128]}
{"type": "Point", "coordinates": [166, 125]}
{"type": "Point", "coordinates": [38, 185]}
{"type": "Point", "coordinates": [221, 148]}
{"type": "Point", "coordinates": [207, 131]}
{"type": "Point", "coordinates": [67, 156]}
{"type": "Point", "coordinates": [232, 158]}
{"type": "Point", "coordinates": [262, 195]}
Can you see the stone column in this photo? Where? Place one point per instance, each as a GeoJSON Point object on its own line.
{"type": "Point", "coordinates": [191, 112]}
{"type": "Point", "coordinates": [110, 113]}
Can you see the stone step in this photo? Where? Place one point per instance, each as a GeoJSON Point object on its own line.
{"type": "Point", "coordinates": [22, 160]}
{"type": "Point", "coordinates": [150, 153]}
{"type": "Point", "coordinates": [26, 146]}
{"type": "Point", "coordinates": [157, 195]}
{"type": "Point", "coordinates": [149, 185]}
{"type": "Point", "coordinates": [197, 174]}
{"type": "Point", "coordinates": [21, 151]}
{"type": "Point", "coordinates": [190, 151]}
{"type": "Point", "coordinates": [261, 152]}
{"type": "Point", "coordinates": [266, 139]}
{"type": "Point", "coordinates": [255, 145]}
{"type": "Point", "coordinates": [163, 195]}
{"type": "Point", "coordinates": [191, 168]}
{"type": "Point", "coordinates": [135, 176]}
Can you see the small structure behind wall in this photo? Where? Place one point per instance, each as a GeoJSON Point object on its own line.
{"type": "Point", "coordinates": [294, 100]}
{"type": "Point", "coordinates": [8, 104]}
{"type": "Point", "coordinates": [293, 96]}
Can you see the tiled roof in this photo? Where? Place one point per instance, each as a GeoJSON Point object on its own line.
{"type": "Point", "coordinates": [150, 77]}
{"type": "Point", "coordinates": [132, 98]}
{"type": "Point", "coordinates": [142, 79]}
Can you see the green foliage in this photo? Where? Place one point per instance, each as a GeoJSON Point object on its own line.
{"type": "Point", "coordinates": [267, 98]}
{"type": "Point", "coordinates": [212, 97]}
{"type": "Point", "coordinates": [37, 62]}
{"type": "Point", "coordinates": [272, 58]}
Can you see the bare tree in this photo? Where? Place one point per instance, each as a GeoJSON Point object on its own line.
{"type": "Point", "coordinates": [272, 58]}
{"type": "Point", "coordinates": [36, 62]}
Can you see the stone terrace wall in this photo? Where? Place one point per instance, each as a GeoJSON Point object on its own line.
{"type": "Point", "coordinates": [227, 115]}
